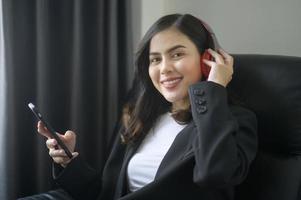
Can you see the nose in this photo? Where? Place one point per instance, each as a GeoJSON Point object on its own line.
{"type": "Point", "coordinates": [166, 66]}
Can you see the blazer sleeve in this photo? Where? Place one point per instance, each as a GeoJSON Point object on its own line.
{"type": "Point", "coordinates": [226, 137]}
{"type": "Point", "coordinates": [78, 179]}
{"type": "Point", "coordinates": [82, 181]}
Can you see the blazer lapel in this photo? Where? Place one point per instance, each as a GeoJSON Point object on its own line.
{"type": "Point", "coordinates": [176, 152]}
{"type": "Point", "coordinates": [122, 186]}
{"type": "Point", "coordinates": [180, 147]}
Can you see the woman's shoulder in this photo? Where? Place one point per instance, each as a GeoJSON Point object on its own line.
{"type": "Point", "coordinates": [242, 113]}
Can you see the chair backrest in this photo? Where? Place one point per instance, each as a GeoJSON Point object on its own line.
{"type": "Point", "coordinates": [270, 85]}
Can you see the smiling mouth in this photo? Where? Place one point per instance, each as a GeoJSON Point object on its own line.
{"type": "Point", "coordinates": [171, 83]}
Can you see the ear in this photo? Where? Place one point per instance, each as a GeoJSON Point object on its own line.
{"type": "Point", "coordinates": [205, 69]}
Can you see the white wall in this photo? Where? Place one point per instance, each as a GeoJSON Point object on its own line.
{"type": "Point", "coordinates": [242, 26]}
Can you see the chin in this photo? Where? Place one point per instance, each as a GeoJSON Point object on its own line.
{"type": "Point", "coordinates": [174, 96]}
{"type": "Point", "coordinates": [173, 99]}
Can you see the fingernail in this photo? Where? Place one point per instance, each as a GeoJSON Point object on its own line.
{"type": "Point", "coordinates": [74, 154]}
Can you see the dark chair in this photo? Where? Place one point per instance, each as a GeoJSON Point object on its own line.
{"type": "Point", "coordinates": [271, 86]}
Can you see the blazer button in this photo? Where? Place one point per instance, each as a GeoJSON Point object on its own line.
{"type": "Point", "coordinates": [201, 109]}
{"type": "Point", "coordinates": [200, 101]}
{"type": "Point", "coordinates": [198, 92]}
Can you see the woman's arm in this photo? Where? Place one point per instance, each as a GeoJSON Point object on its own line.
{"type": "Point", "coordinates": [83, 182]}
{"type": "Point", "coordinates": [79, 179]}
{"type": "Point", "coordinates": [226, 136]}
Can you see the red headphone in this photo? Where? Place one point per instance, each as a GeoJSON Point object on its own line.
{"type": "Point", "coordinates": [205, 69]}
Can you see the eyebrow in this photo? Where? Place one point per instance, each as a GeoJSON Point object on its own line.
{"type": "Point", "coordinates": [168, 50]}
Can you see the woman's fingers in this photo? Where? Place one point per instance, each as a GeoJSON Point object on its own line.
{"type": "Point", "coordinates": [227, 57]}
{"type": "Point", "coordinates": [217, 57]}
{"type": "Point", "coordinates": [57, 153]}
{"type": "Point", "coordinates": [208, 62]}
{"type": "Point", "coordinates": [43, 130]}
{"type": "Point", "coordinates": [69, 136]}
{"type": "Point", "coordinates": [51, 143]}
{"type": "Point", "coordinates": [221, 67]}
{"type": "Point", "coordinates": [60, 157]}
{"type": "Point", "coordinates": [221, 57]}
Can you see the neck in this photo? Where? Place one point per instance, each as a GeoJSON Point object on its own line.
{"type": "Point", "coordinates": [181, 105]}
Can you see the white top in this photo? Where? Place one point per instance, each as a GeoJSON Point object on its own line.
{"type": "Point", "coordinates": [143, 166]}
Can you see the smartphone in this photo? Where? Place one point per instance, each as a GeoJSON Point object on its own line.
{"type": "Point", "coordinates": [38, 115]}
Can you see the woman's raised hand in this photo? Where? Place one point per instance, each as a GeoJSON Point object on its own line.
{"type": "Point", "coordinates": [55, 151]}
{"type": "Point", "coordinates": [221, 68]}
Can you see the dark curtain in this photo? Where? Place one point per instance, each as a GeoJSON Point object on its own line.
{"type": "Point", "coordinates": [73, 59]}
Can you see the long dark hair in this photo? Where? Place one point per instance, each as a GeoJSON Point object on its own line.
{"type": "Point", "coordinates": [146, 104]}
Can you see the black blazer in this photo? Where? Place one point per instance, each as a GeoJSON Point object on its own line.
{"type": "Point", "coordinates": [207, 159]}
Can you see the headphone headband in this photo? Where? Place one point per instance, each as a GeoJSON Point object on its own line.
{"type": "Point", "coordinates": [212, 35]}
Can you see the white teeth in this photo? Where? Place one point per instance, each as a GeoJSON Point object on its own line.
{"type": "Point", "coordinates": [171, 82]}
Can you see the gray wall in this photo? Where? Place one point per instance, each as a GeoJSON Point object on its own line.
{"type": "Point", "coordinates": [241, 26]}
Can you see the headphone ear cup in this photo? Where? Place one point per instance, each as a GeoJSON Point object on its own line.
{"type": "Point", "coordinates": [205, 69]}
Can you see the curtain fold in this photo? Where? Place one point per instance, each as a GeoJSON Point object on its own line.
{"type": "Point", "coordinates": [2, 108]}
{"type": "Point", "coordinates": [73, 59]}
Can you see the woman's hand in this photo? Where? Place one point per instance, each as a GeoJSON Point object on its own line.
{"type": "Point", "coordinates": [55, 151]}
{"type": "Point", "coordinates": [222, 68]}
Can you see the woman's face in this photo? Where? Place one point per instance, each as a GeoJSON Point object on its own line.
{"type": "Point", "coordinates": [174, 64]}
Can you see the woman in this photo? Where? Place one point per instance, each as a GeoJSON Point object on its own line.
{"type": "Point", "coordinates": [180, 137]}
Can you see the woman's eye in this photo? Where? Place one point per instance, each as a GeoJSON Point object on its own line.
{"type": "Point", "coordinates": [154, 60]}
{"type": "Point", "coordinates": [177, 55]}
